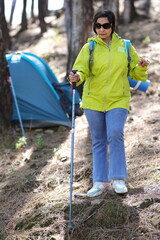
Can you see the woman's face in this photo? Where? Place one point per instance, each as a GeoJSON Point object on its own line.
{"type": "Point", "coordinates": [105, 31]}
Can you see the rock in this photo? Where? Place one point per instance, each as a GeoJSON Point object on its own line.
{"type": "Point", "coordinates": [152, 121]}
{"type": "Point", "coordinates": [143, 204]}
{"type": "Point", "coordinates": [51, 184]}
{"type": "Point", "coordinates": [38, 130]}
{"type": "Point", "coordinates": [49, 131]}
{"type": "Point", "coordinates": [155, 138]}
{"type": "Point", "coordinates": [97, 201]}
{"type": "Point", "coordinates": [62, 129]}
{"type": "Point", "coordinates": [63, 159]}
{"type": "Point", "coordinates": [156, 220]}
{"type": "Point", "coordinates": [76, 185]}
{"type": "Point", "coordinates": [80, 195]}
{"type": "Point", "coordinates": [27, 154]}
{"type": "Point", "coordinates": [131, 119]}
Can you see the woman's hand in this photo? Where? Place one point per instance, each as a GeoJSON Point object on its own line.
{"type": "Point", "coordinates": [143, 62]}
{"type": "Point", "coordinates": [74, 77]}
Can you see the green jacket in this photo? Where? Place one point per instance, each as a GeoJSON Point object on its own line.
{"type": "Point", "coordinates": [106, 85]}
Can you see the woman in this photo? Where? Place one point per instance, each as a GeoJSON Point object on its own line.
{"type": "Point", "coordinates": [105, 100]}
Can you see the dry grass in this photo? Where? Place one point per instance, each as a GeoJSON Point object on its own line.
{"type": "Point", "coordinates": [34, 181]}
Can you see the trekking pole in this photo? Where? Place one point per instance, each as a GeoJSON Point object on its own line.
{"type": "Point", "coordinates": [16, 103]}
{"type": "Point", "coordinates": [70, 225]}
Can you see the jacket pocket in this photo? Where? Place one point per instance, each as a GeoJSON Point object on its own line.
{"type": "Point", "coordinates": [87, 85]}
{"type": "Point", "coordinates": [125, 85]}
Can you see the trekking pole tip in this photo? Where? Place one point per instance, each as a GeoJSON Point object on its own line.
{"type": "Point", "coordinates": [70, 225]}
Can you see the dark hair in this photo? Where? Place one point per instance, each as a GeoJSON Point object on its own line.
{"type": "Point", "coordinates": [110, 15]}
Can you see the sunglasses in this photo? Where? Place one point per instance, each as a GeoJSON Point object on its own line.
{"type": "Point", "coordinates": [105, 25]}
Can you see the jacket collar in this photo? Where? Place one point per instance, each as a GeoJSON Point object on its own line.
{"type": "Point", "coordinates": [97, 39]}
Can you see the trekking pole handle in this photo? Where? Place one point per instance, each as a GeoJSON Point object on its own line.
{"type": "Point", "coordinates": [74, 83]}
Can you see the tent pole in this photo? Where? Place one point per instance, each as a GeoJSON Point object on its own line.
{"type": "Point", "coordinates": [16, 104]}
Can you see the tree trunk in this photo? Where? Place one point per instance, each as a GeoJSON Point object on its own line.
{"type": "Point", "coordinates": [4, 27]}
{"type": "Point", "coordinates": [5, 91]}
{"type": "Point", "coordinates": [78, 27]}
{"type": "Point", "coordinates": [143, 8]}
{"type": "Point", "coordinates": [32, 12]}
{"type": "Point", "coordinates": [147, 7]}
{"type": "Point", "coordinates": [12, 11]}
{"type": "Point", "coordinates": [68, 18]}
{"type": "Point", "coordinates": [45, 7]}
{"type": "Point", "coordinates": [129, 11]}
{"type": "Point", "coordinates": [114, 7]}
{"type": "Point", "coordinates": [24, 17]}
{"type": "Point", "coordinates": [42, 14]}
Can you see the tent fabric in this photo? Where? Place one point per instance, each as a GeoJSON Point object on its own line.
{"type": "Point", "coordinates": [38, 101]}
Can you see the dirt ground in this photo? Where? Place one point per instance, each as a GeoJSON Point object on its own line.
{"type": "Point", "coordinates": [34, 180]}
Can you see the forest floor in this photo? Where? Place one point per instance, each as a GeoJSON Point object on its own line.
{"type": "Point", "coordinates": [34, 180]}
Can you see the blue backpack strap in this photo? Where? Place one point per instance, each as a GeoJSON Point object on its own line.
{"type": "Point", "coordinates": [92, 45]}
{"type": "Point", "coordinates": [127, 44]}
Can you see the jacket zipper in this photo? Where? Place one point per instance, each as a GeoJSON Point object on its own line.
{"type": "Point", "coordinates": [108, 76]}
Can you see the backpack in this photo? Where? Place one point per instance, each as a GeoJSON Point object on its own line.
{"type": "Point", "coordinates": [142, 86]}
{"type": "Point", "coordinates": [64, 92]}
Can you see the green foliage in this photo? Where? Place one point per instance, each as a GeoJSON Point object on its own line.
{"type": "Point", "coordinates": [12, 172]}
{"type": "Point", "coordinates": [21, 142]}
{"type": "Point", "coordinates": [3, 234]}
{"type": "Point", "coordinates": [40, 142]}
{"type": "Point", "coordinates": [147, 40]}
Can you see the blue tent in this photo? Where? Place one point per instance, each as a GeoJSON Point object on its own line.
{"type": "Point", "coordinates": [38, 101]}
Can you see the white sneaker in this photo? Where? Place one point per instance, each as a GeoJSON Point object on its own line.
{"type": "Point", "coordinates": [119, 186]}
{"type": "Point", "coordinates": [97, 189]}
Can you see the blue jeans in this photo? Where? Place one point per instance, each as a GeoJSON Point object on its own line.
{"type": "Point", "coordinates": [107, 132]}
